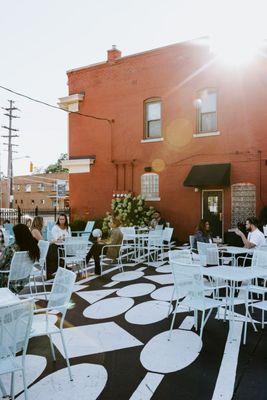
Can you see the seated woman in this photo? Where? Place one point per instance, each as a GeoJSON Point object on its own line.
{"type": "Point", "coordinates": [61, 229]}
{"type": "Point", "coordinates": [202, 234]}
{"type": "Point", "coordinates": [36, 228]}
{"type": "Point", "coordinates": [23, 242]}
{"type": "Point", "coordinates": [111, 252]}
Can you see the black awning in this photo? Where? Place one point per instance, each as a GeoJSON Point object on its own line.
{"type": "Point", "coordinates": [209, 175]}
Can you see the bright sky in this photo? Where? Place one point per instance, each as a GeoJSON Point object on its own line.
{"type": "Point", "coordinates": [40, 40]}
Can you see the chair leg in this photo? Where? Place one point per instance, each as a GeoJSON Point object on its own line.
{"type": "Point", "coordinates": [202, 324]}
{"type": "Point", "coordinates": [66, 354]}
{"type": "Point", "coordinates": [171, 300]}
{"type": "Point", "coordinates": [2, 388]}
{"type": "Point", "coordinates": [52, 348]}
{"type": "Point", "coordinates": [12, 385]}
{"type": "Point", "coordinates": [262, 319]}
{"type": "Point", "coordinates": [195, 319]}
{"type": "Point", "coordinates": [24, 384]}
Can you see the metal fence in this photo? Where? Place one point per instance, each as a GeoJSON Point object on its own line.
{"type": "Point", "coordinates": [20, 215]}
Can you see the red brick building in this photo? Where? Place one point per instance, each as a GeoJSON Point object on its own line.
{"type": "Point", "coordinates": [170, 111]}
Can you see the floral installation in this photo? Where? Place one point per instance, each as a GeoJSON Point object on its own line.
{"type": "Point", "coordinates": [131, 211]}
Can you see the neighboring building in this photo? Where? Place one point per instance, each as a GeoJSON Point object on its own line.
{"type": "Point", "coordinates": [184, 129]}
{"type": "Point", "coordinates": [3, 192]}
{"type": "Point", "coordinates": [44, 191]}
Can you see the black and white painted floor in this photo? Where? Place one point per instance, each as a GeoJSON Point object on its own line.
{"type": "Point", "coordinates": [116, 334]}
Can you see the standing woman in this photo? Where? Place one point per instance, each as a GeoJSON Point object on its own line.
{"type": "Point", "coordinates": [61, 229]}
{"type": "Point", "coordinates": [23, 242]}
{"type": "Point", "coordinates": [37, 227]}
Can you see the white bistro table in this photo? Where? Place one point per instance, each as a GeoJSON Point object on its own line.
{"type": "Point", "coordinates": [235, 251]}
{"type": "Point", "coordinates": [234, 275]}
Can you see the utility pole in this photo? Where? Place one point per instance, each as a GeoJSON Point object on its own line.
{"type": "Point", "coordinates": [11, 134]}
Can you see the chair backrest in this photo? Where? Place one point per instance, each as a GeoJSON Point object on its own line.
{"type": "Point", "coordinates": [76, 247]}
{"type": "Point", "coordinates": [49, 227]}
{"type": "Point", "coordinates": [6, 237]}
{"type": "Point", "coordinates": [62, 289]}
{"type": "Point", "coordinates": [9, 228]}
{"type": "Point", "coordinates": [89, 226]}
{"type": "Point", "coordinates": [189, 275]}
{"type": "Point", "coordinates": [128, 233]}
{"type": "Point", "coordinates": [202, 251]}
{"type": "Point", "coordinates": [191, 241]}
{"type": "Point", "coordinates": [15, 326]}
{"type": "Point", "coordinates": [21, 267]}
{"type": "Point", "coordinates": [167, 234]}
{"type": "Point", "coordinates": [159, 227]}
{"type": "Point", "coordinates": [212, 256]}
{"type": "Point", "coordinates": [155, 237]}
{"type": "Point", "coordinates": [259, 258]}
{"type": "Point", "coordinates": [43, 246]}
{"type": "Point", "coordinates": [182, 256]}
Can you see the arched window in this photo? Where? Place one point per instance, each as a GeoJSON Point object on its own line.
{"type": "Point", "coordinates": [152, 118]}
{"type": "Point", "coordinates": [150, 186]}
{"type": "Point", "coordinates": [243, 202]}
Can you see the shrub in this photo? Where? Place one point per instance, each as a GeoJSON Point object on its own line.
{"type": "Point", "coordinates": [131, 211]}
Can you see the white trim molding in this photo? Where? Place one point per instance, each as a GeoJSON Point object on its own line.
{"type": "Point", "coordinates": [71, 103]}
{"type": "Point", "coordinates": [206, 134]}
{"type": "Point", "coordinates": [78, 166]}
{"type": "Point", "coordinates": [148, 140]}
{"type": "Point", "coordinates": [153, 199]}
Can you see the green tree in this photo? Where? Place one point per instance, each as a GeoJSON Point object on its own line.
{"type": "Point", "coordinates": [57, 167]}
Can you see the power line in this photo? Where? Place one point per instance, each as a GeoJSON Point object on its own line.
{"type": "Point", "coordinates": [55, 107]}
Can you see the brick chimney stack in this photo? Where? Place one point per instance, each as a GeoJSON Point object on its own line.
{"type": "Point", "coordinates": [113, 54]}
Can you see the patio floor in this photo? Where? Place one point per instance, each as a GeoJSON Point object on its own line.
{"type": "Point", "coordinates": [116, 334]}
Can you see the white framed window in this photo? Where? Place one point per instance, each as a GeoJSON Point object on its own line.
{"type": "Point", "coordinates": [54, 187]}
{"type": "Point", "coordinates": [207, 111]}
{"type": "Point", "coordinates": [28, 187]}
{"type": "Point", "coordinates": [150, 186]}
{"type": "Point", "coordinates": [18, 188]}
{"type": "Point", "coordinates": [243, 202]}
{"type": "Point", "coordinates": [41, 187]}
{"type": "Point", "coordinates": [42, 201]}
{"type": "Point", "coordinates": [152, 120]}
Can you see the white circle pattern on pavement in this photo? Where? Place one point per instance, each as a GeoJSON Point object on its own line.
{"type": "Point", "coordinates": [88, 382]}
{"type": "Point", "coordinates": [148, 312]}
{"type": "Point", "coordinates": [164, 356]}
{"type": "Point", "coordinates": [108, 308]}
{"type": "Point", "coordinates": [127, 276]}
{"type": "Point", "coordinates": [136, 290]}
{"type": "Point", "coordinates": [164, 293]}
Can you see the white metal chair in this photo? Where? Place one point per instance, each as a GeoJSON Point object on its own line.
{"type": "Point", "coordinates": [196, 299]}
{"type": "Point", "coordinates": [154, 245]}
{"type": "Point", "coordinates": [87, 230]}
{"type": "Point", "coordinates": [58, 299]}
{"type": "Point", "coordinates": [39, 269]}
{"type": "Point", "coordinates": [182, 256]}
{"type": "Point", "coordinates": [20, 270]}
{"type": "Point", "coordinates": [73, 252]}
{"type": "Point", "coordinates": [15, 326]}
{"type": "Point", "coordinates": [259, 260]}
{"type": "Point", "coordinates": [167, 237]}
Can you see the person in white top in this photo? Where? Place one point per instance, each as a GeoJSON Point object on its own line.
{"type": "Point", "coordinates": [255, 236]}
{"type": "Point", "coordinates": [61, 229]}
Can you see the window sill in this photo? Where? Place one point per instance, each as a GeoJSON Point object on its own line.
{"type": "Point", "coordinates": [154, 199]}
{"type": "Point", "coordinates": [207, 134]}
{"type": "Point", "coordinates": [152, 140]}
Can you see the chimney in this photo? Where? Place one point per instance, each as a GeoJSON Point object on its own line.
{"type": "Point", "coordinates": [113, 54]}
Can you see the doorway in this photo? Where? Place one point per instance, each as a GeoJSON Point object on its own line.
{"type": "Point", "coordinates": [212, 210]}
